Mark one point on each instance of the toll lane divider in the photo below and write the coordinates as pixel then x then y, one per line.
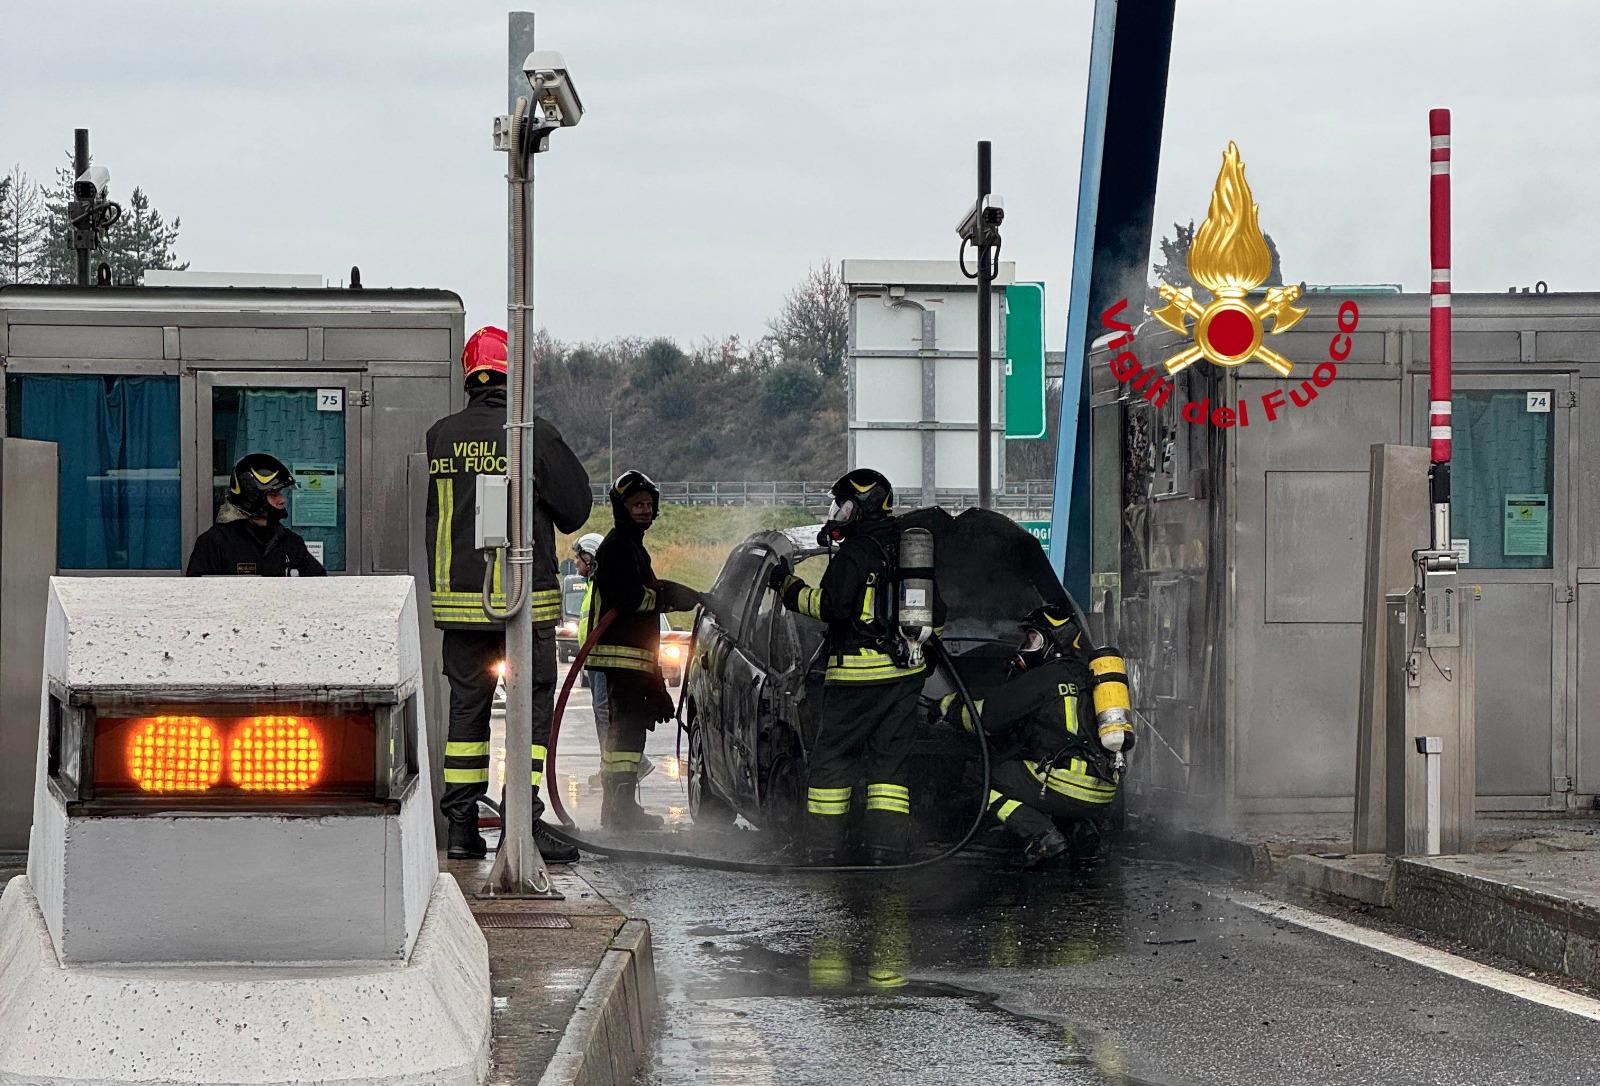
pixel 608 1036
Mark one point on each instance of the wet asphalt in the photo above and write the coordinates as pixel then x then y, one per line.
pixel 1131 972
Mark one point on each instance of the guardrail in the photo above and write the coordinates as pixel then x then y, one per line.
pixel 1026 500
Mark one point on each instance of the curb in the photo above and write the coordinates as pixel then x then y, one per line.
pixel 1543 930
pixel 605 1040
pixel 1251 861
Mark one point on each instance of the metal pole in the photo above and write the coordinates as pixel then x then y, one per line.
pixel 518 867
pixel 80 164
pixel 611 443
pixel 1439 326
pixel 985 363
pixel 1431 747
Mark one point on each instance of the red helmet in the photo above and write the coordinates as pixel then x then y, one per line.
pixel 485 350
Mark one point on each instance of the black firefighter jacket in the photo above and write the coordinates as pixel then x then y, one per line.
pixel 235 547
pixel 461 447
pixel 625 581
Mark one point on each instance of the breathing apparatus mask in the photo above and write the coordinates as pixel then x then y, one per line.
pixel 859 496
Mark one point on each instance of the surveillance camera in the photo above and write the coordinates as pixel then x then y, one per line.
pixel 93 184
pixel 553 92
pixel 992 212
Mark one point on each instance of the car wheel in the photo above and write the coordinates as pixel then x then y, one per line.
pixel 783 801
pixel 706 808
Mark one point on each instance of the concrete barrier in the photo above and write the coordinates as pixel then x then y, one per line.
pixel 609 1034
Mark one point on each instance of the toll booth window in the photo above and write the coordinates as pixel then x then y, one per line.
pixel 117 443
pixel 294 425
pixel 1502 479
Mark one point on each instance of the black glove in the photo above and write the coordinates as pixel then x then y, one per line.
pixel 781 572
pixel 660 702
pixel 672 596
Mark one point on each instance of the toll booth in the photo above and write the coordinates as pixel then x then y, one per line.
pixel 149 395
pixel 1229 541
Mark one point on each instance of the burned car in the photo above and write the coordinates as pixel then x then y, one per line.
pixel 755 674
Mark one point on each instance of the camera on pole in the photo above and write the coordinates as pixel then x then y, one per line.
pixel 89 212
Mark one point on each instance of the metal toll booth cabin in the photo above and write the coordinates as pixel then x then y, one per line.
pixel 1230 560
pixel 149 395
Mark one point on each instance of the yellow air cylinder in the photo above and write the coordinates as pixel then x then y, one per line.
pixel 1113 716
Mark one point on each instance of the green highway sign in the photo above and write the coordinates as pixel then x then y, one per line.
pixel 1039 529
pixel 1025 360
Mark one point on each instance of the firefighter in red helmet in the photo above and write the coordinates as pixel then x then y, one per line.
pixel 461 447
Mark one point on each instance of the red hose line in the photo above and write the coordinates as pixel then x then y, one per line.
pixel 560 710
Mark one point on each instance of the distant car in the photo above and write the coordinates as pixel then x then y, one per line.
pixel 674 652
pixel 755 680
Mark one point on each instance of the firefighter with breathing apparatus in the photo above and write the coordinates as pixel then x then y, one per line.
pixel 627 653
pixel 1050 762
pixel 461 447
pixel 881 604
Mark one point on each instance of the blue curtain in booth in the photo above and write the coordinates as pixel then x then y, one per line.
pixel 117 442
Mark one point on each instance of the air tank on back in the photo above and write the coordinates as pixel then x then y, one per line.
pixel 916 590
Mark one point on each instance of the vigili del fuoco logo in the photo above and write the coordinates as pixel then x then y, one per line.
pixel 1230 258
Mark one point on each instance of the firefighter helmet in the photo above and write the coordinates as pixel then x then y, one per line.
pixel 1047 632
pixel 255 477
pixel 627 485
pixel 859 497
pixel 588 544
pixel 484 356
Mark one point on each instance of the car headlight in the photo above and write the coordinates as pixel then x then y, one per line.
pixel 672 654
pixel 567 629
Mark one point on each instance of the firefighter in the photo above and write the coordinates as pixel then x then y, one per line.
pixel 461 447
pixel 1051 761
pixel 869 698
pixel 249 538
pixel 628 653
pixel 585 549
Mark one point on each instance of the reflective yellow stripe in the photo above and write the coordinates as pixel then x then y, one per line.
pixel 828 801
pixel 1005 809
pixel 494 588
pixel 1069 708
pixel 867 666
pixel 895 798
pixel 539 755
pixel 466 776
pixel 1075 783
pixel 619 761
pixel 466 750
pixel 809 602
pixel 584 611
pixel 623 658
pixel 866 599
pixel 441 535
pixel 647 603
pixel 879 977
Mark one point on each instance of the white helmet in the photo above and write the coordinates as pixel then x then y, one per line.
pixel 588 544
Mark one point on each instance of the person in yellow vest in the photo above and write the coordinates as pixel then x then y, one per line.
pixel 461 447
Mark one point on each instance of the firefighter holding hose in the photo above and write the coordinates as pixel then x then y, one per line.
pixel 1060 727
pixel 870 687
pixel 627 652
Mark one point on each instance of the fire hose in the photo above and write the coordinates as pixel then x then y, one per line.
pixel 688 860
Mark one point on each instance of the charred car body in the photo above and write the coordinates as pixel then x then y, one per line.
pixel 754 687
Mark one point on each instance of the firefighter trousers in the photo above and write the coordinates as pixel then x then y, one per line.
pixel 1026 807
pixel 629 715
pixel 866 731
pixel 470 657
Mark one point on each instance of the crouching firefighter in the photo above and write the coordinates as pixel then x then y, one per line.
pixel 628 652
pixel 1059 728
pixel 868 716
pixel 461 447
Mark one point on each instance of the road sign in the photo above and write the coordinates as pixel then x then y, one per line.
pixel 1025 360
pixel 1039 529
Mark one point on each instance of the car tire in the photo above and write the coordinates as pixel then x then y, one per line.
pixel 783 799
pixel 706 808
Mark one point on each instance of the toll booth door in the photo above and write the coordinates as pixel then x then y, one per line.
pixel 309 421
pixel 1509 509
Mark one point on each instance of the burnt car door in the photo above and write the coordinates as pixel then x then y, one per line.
pixel 721 671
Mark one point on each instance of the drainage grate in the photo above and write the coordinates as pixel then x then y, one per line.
pixel 521 920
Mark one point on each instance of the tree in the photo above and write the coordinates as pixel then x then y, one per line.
pixel 813 328
pixel 140 241
pixel 21 233
pixel 58 260
pixel 1173 268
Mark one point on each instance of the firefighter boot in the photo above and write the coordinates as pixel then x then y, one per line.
pixel 553 849
pixel 619 805
pixel 465 842
pixel 1043 846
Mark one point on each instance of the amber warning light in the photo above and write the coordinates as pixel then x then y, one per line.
pixel 270 753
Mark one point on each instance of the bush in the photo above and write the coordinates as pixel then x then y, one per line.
pixel 790 388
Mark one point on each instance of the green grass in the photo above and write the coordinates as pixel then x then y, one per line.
pixel 689 543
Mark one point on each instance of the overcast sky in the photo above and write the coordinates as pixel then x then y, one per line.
pixel 728 146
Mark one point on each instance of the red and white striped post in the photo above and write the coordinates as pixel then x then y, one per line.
pixel 1439 326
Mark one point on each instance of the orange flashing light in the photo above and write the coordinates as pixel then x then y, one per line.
pixel 275 754
pixel 175 754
